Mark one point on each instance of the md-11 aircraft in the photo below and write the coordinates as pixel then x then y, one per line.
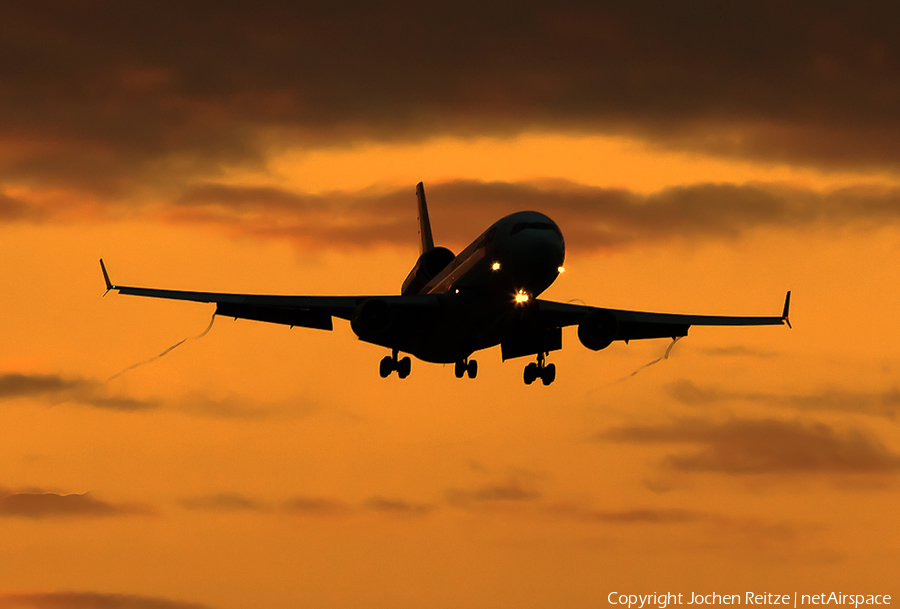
pixel 450 306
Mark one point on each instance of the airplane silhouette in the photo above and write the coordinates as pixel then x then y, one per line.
pixel 451 306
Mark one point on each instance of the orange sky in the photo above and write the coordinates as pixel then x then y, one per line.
pixel 260 466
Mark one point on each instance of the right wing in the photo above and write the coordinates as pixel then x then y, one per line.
pixel 630 325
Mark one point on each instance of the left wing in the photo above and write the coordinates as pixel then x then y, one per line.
pixel 305 311
pixel 619 324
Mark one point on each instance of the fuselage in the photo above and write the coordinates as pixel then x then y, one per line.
pixel 484 292
pixel 520 254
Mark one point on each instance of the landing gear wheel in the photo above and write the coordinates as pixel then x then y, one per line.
pixel 460 369
pixel 531 373
pixel 540 370
pixel 403 367
pixel 472 368
pixel 390 363
pixel 548 374
pixel 386 366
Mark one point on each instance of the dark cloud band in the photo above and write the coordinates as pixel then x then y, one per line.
pixel 89 600
pixel 108 96
pixel 743 447
pixel 590 217
pixel 38 504
pixel 57 388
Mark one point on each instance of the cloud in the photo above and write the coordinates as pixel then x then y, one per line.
pixel 13 385
pixel 239 407
pixel 224 502
pixel 398 506
pixel 110 97
pixel 39 504
pixel 745 447
pixel 58 388
pixel 738 351
pixel 89 600
pixel 510 492
pixel 590 217
pixel 13 209
pixel 334 219
pixel 884 403
pixel 732 533
pixel 626 517
pixel 307 505
pixel 316 506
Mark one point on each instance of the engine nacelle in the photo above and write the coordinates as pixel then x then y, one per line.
pixel 598 330
pixel 427 268
pixel 372 318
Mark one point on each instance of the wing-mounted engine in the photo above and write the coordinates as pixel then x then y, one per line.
pixel 598 330
pixel 372 319
pixel 427 267
pixel 399 322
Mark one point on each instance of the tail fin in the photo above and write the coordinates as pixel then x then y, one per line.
pixel 427 241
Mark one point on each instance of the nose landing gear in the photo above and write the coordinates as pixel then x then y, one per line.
pixel 466 366
pixel 538 370
pixel 390 363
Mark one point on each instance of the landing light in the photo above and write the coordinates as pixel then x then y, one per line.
pixel 495 266
pixel 561 270
pixel 521 297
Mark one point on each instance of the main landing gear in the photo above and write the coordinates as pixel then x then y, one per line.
pixel 466 366
pixel 390 363
pixel 533 371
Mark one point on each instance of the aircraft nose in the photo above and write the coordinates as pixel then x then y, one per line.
pixel 546 243
pixel 533 251
pixel 547 250
pixel 557 249
pixel 542 250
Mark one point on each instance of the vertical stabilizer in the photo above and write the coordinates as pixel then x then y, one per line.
pixel 427 241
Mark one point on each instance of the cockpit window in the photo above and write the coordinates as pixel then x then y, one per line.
pixel 520 226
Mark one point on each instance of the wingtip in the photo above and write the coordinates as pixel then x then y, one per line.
pixel 109 285
pixel 787 308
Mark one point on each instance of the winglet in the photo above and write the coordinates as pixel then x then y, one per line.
pixel 787 306
pixel 427 241
pixel 109 285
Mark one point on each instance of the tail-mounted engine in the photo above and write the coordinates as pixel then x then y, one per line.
pixel 427 268
pixel 598 330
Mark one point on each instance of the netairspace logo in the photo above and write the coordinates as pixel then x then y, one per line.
pixel 662 601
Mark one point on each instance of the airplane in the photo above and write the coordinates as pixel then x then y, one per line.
pixel 451 306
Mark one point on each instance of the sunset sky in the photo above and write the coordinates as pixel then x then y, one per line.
pixel 698 157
